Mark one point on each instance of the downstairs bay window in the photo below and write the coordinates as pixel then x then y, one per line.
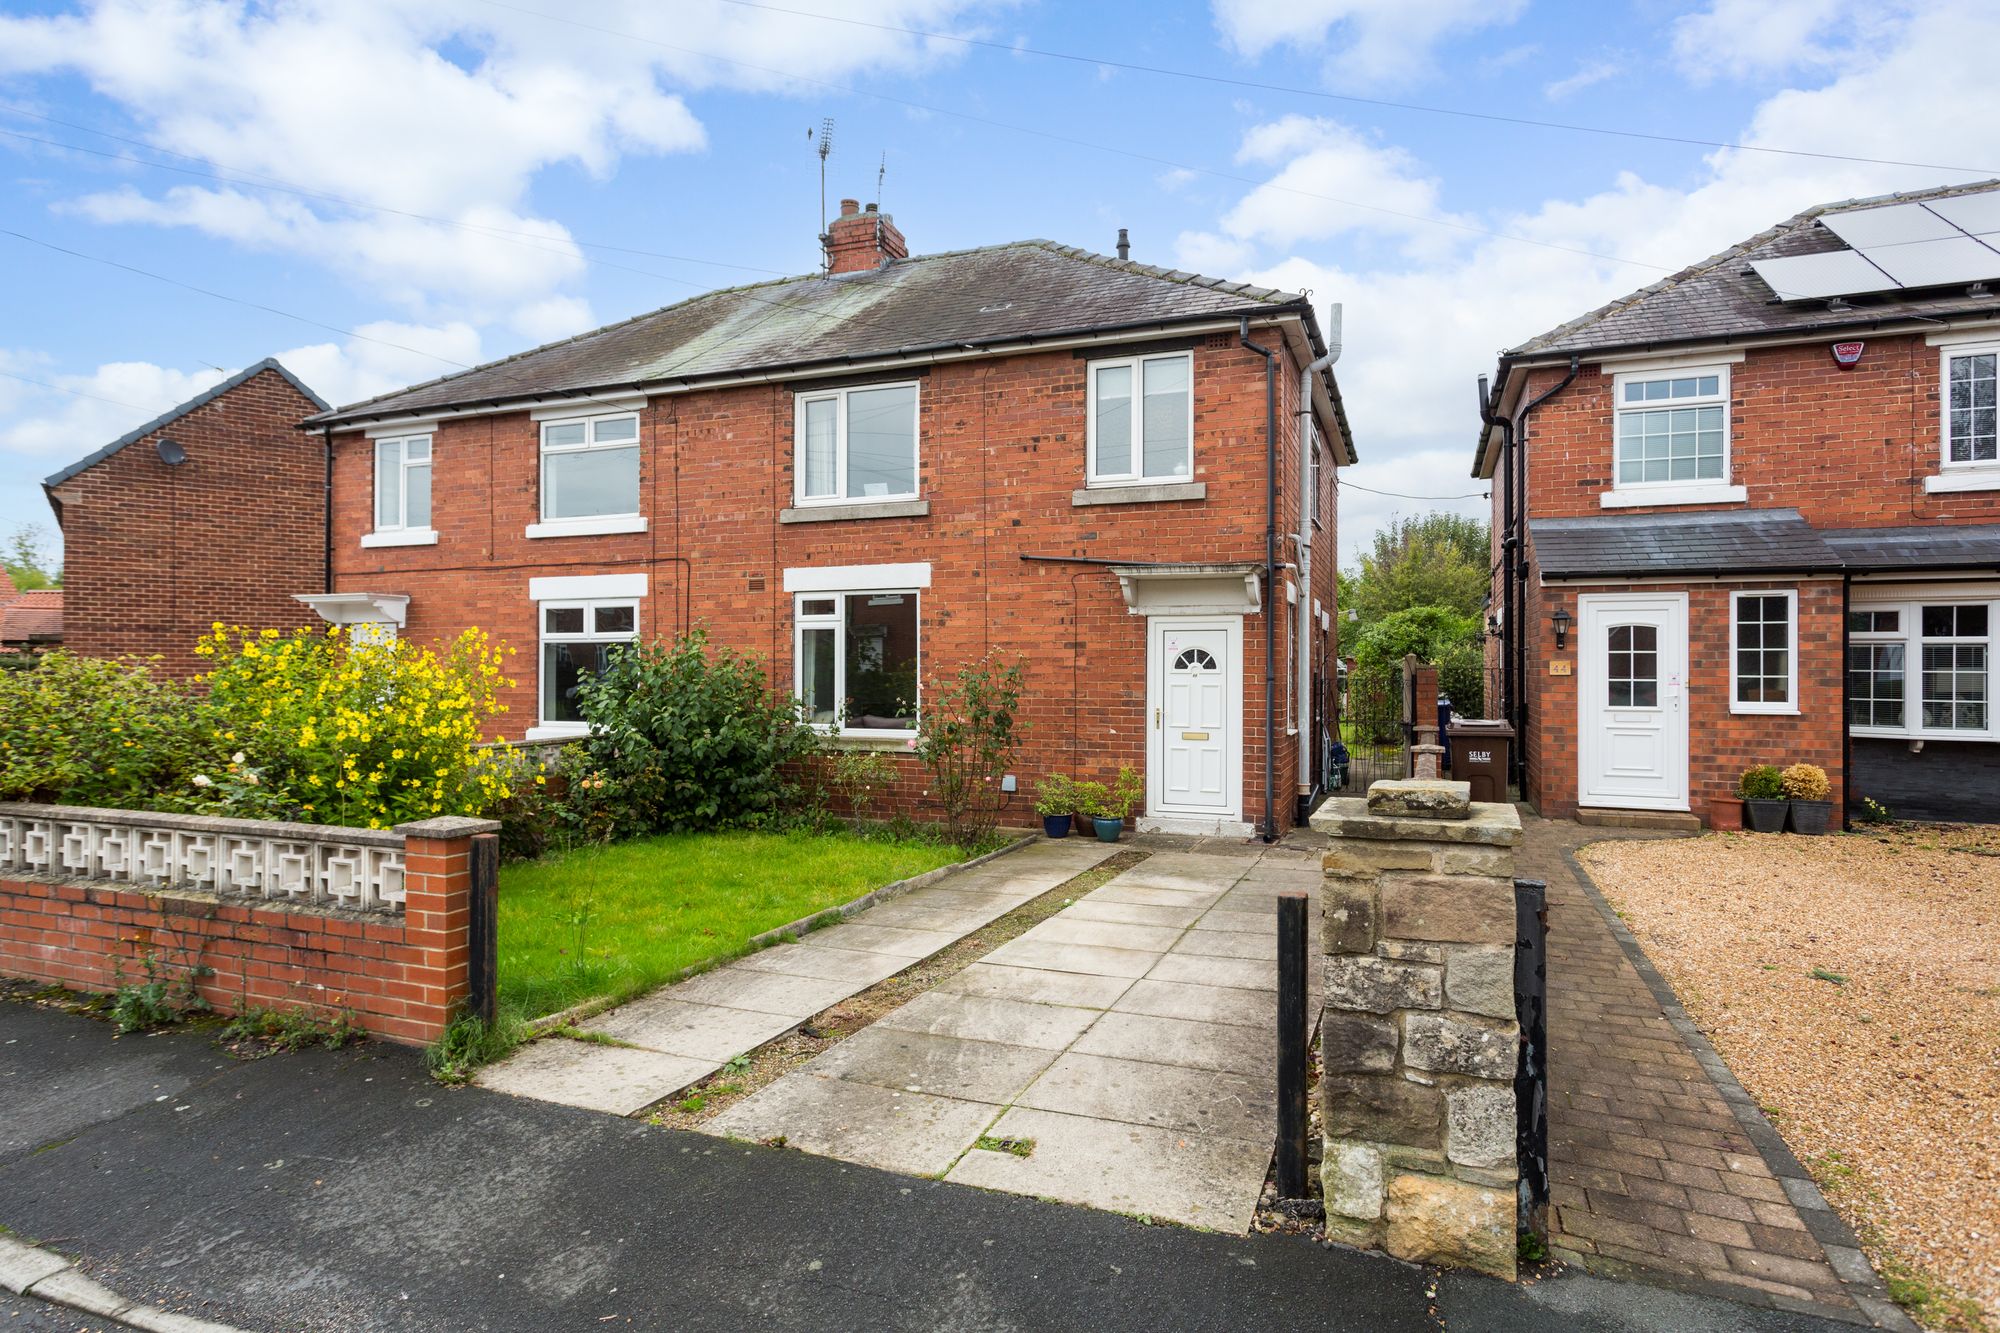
pixel 856 661
pixel 1921 669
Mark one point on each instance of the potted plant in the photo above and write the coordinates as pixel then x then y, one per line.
pixel 1056 803
pixel 1807 788
pixel 1763 793
pixel 1725 813
pixel 1108 806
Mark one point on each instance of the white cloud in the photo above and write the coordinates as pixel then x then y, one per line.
pixel 555 317
pixel 1588 75
pixel 1368 41
pixel 1420 326
pixel 1763 38
pixel 44 429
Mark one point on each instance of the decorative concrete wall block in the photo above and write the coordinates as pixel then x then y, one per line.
pixel 1347 908
pixel 1382 1108
pixel 1480 980
pixel 1379 985
pixel 1438 1221
pixel 1371 858
pixel 1497 861
pixel 1479 1125
pixel 1455 909
pixel 1352 1180
pixel 1453 1046
pixel 1350 1044
pixel 1420 798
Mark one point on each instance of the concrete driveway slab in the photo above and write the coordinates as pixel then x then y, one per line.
pixel 849 965
pixel 1189 1178
pixel 698 1031
pixel 766 992
pixel 1093 959
pixel 1118 891
pixel 892 940
pixel 1066 929
pixel 1093 908
pixel 910 1061
pixel 1230 943
pixel 1208 1004
pixel 1033 984
pixel 1048 1027
pixel 1193 1101
pixel 912 1132
pixel 1207 970
pixel 1177 1041
pixel 616 1079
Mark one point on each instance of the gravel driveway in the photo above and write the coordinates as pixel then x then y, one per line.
pixel 1852 983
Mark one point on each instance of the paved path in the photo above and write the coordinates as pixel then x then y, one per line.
pixel 681 1034
pixel 1654 1149
pixel 344 1191
pixel 1128 1039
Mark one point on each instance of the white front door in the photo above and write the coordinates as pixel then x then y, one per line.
pixel 1632 727
pixel 1194 764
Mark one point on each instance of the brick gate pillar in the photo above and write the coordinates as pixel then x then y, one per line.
pixel 1418 1034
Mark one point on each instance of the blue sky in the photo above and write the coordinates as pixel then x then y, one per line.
pixel 437 184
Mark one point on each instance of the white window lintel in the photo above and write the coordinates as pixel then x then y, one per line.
pixel 858 578
pixel 586 587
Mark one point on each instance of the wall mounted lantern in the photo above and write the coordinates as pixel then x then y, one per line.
pixel 1561 619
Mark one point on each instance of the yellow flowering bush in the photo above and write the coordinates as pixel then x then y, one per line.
pixel 325 729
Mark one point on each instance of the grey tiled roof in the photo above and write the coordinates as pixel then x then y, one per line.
pixel 1634 546
pixel 1940 547
pixel 1720 297
pixel 966 298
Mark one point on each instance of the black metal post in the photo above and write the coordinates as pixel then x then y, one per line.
pixel 1292 1046
pixel 1531 1076
pixel 484 928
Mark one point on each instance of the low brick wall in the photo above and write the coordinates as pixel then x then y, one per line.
pixel 1418 1036
pixel 372 923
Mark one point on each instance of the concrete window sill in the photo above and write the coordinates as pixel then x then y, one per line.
pixel 1162 493
pixel 1649 497
pixel 588 527
pixel 866 509
pixel 1968 479
pixel 408 537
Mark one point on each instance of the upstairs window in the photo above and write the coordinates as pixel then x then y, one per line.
pixel 1141 420
pixel 856 659
pixel 403 484
pixel 1672 427
pixel 577 640
pixel 590 468
pixel 857 445
pixel 1971 436
pixel 1764 666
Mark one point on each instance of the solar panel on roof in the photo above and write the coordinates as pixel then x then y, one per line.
pixel 1815 277
pixel 1976 213
pixel 1937 263
pixel 1895 224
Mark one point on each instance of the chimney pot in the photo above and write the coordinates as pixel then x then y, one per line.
pixel 1124 244
pixel 849 207
pixel 873 207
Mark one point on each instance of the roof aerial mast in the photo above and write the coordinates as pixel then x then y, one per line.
pixel 825 147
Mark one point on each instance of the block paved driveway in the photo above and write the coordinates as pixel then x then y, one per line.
pixel 1654 1151
pixel 1130 1039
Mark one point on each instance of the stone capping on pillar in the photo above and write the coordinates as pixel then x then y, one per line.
pixel 1419 1040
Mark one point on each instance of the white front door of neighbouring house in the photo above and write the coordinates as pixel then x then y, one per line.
pixel 1195 683
pixel 1632 732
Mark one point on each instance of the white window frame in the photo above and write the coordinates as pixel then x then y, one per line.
pixel 1911 636
pixel 1791 704
pixel 1315 477
pixel 1973 470
pixel 1664 492
pixel 401 532
pixel 839 397
pixel 545 728
pixel 1093 479
pixel 632 520
pixel 837 621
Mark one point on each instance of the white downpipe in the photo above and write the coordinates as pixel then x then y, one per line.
pixel 1303 618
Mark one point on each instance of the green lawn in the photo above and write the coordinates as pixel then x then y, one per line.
pixel 619 920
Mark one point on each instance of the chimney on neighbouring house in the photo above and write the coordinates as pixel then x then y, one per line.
pixel 1124 244
pixel 861 239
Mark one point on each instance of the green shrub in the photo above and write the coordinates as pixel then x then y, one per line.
pixel 966 737
pixel 81 731
pixel 1805 782
pixel 1761 783
pixel 859 776
pixel 1055 796
pixel 1433 634
pixel 683 737
pixel 1098 800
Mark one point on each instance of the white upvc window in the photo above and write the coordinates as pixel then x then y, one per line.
pixel 1141 420
pixel 1763 656
pixel 1315 478
pixel 1970 404
pixel 1671 428
pixel 578 638
pixel 1922 668
pixel 857 661
pixel 403 489
pixel 856 445
pixel 590 469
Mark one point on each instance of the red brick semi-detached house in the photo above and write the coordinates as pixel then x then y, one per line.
pixel 871 476
pixel 1751 514
pixel 214 511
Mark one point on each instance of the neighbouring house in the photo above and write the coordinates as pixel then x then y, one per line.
pixel 215 511
pixel 1751 514
pixel 31 619
pixel 1119 474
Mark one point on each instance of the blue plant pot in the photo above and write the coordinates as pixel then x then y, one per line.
pixel 1056 826
pixel 1108 829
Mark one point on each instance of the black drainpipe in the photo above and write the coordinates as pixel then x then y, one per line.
pixel 326 552
pixel 1270 578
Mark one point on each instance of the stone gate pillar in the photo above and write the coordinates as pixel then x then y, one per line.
pixel 1418 1035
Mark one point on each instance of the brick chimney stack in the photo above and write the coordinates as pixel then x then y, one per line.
pixel 860 239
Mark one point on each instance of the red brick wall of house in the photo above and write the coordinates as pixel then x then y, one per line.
pixel 1001 450
pixel 153 555
pixel 398 977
